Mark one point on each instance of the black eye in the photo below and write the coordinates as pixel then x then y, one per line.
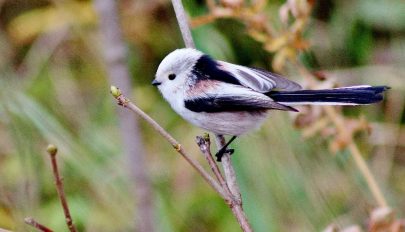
pixel 172 76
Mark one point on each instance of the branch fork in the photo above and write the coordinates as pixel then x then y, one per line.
pixel 204 144
pixel 223 183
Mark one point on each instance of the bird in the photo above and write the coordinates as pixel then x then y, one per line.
pixel 231 99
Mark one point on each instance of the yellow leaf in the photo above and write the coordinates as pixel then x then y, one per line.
pixel 281 57
pixel 6 219
pixel 276 44
pixel 30 24
pixel 259 36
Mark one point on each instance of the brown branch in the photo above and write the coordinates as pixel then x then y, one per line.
pixel 229 183
pixel 232 184
pixel 123 101
pixel 31 221
pixel 215 14
pixel 204 144
pixel 115 54
pixel 52 150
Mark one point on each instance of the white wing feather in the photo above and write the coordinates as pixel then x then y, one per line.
pixel 257 79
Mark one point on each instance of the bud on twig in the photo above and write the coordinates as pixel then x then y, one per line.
pixel 115 91
pixel 52 149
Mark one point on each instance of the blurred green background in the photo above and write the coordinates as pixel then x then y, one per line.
pixel 54 89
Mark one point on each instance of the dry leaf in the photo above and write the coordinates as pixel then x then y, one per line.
pixel 381 219
pixel 353 228
pixel 275 44
pixel 331 228
pixel 232 3
pixel 280 58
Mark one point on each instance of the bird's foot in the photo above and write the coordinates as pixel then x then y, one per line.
pixel 222 151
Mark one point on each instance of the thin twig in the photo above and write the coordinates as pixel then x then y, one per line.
pixel 229 171
pixel 205 146
pixel 123 101
pixel 52 150
pixel 31 221
pixel 183 23
pixel 358 158
pixel 368 176
pixel 235 202
pixel 230 178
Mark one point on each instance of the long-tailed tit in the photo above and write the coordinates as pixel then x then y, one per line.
pixel 230 99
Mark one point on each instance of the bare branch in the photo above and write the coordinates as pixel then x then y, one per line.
pixel 183 23
pixel 230 179
pixel 123 101
pixel 205 146
pixel 31 221
pixel 229 171
pixel 232 184
pixel 52 150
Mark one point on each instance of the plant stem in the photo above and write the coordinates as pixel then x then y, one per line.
pixel 358 158
pixel 368 176
pixel 183 23
pixel 31 221
pixel 205 147
pixel 229 171
pixel 232 184
pixel 59 189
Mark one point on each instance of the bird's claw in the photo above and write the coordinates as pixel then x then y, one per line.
pixel 222 151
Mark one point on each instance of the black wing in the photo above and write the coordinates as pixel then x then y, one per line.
pixel 223 103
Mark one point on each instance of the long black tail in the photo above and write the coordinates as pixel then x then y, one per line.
pixel 354 95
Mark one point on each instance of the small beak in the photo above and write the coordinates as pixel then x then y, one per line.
pixel 156 83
